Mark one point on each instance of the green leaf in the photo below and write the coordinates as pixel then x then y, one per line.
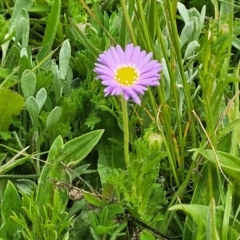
pixel 17 13
pixel 25 60
pixel 11 202
pixel 227 129
pixel 145 235
pixel 33 109
pixel 236 43
pixel 122 30
pixel 186 33
pixel 52 24
pixel 92 199
pixel 151 20
pixel 4 26
pixel 103 229
pixel 41 97
pixel 77 149
pixel 183 12
pixel 191 47
pixel 64 58
pixel 53 117
pixel 71 153
pixel 22 29
pixel 51 170
pixel 211 227
pixel 92 120
pixel 84 40
pixel 12 164
pixel 66 236
pixel 110 152
pixel 229 163
pixel 227 212
pixel 11 103
pixel 80 170
pixel 198 214
pixel 28 83
pixel 57 82
pixel 201 196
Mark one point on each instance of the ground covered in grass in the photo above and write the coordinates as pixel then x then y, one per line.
pixel 119 120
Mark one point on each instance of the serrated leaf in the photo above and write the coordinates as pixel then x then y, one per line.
pixel 92 120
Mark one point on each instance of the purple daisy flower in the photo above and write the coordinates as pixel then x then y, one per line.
pixel 128 72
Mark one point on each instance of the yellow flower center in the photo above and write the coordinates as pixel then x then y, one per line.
pixel 126 75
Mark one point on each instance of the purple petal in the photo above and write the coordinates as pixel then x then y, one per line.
pixel 115 56
pixel 150 66
pixel 103 67
pixel 145 81
pixel 117 91
pixel 104 59
pixel 148 74
pixel 125 95
pixel 128 53
pixel 142 62
pixel 129 92
pixel 110 60
pixel 104 72
pixel 149 82
pixel 141 56
pixel 108 90
pixel 135 55
pixel 110 83
pixel 139 88
pixel 120 53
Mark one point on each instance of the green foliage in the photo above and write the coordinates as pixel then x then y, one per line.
pixel 77 12
pixel 62 156
pixel 137 187
pixel 50 103
pixel 52 24
pixel 4 29
pixel 11 103
pixel 10 203
pixel 52 223
pixel 104 222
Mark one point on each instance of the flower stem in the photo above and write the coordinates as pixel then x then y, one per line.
pixel 125 132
